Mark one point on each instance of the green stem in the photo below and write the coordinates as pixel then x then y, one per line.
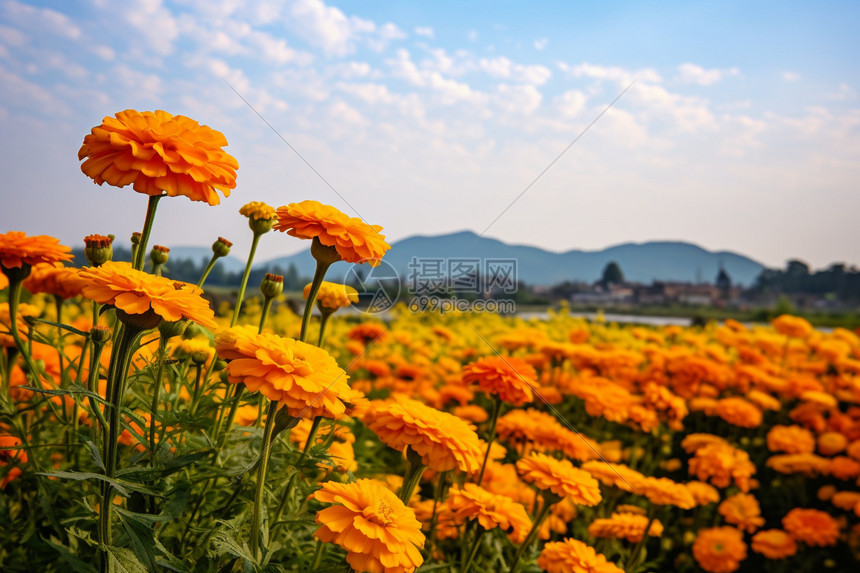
pixel 530 538
pixel 319 275
pixel 414 470
pixel 325 313
pixel 224 430
pixel 207 270
pixel 156 393
pixel 467 563
pixel 311 435
pixel 14 297
pixel 117 375
pixel 318 553
pixel 497 407
pixel 198 384
pixel 267 304
pixel 140 254
pixel 434 517
pixel 241 295
pixel 261 480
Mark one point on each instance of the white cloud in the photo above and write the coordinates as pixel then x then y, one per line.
pixel 276 50
pixel 789 76
pixel 540 44
pixel 572 103
pixel 518 99
pixel 845 92
pixel 693 74
pixel 154 22
pixel 343 113
pixel 450 90
pixel 336 33
pixel 44 19
pixel 104 52
pixel 425 31
pixel 612 73
pixel 12 36
pixel 688 113
pixel 502 67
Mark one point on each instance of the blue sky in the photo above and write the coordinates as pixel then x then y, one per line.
pixel 741 132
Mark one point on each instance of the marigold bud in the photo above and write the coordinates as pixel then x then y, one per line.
pixel 199 357
pixel 159 255
pixel 261 226
pixel 98 249
pixel 171 329
pixel 100 334
pixel 272 285
pixel 221 247
pixel 135 238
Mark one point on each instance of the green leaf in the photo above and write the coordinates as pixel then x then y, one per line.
pixel 138 527
pixel 124 560
pixel 97 456
pixel 183 460
pixel 66 556
pixel 121 486
pixel 31 320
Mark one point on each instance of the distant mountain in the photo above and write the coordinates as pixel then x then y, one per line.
pixel 640 262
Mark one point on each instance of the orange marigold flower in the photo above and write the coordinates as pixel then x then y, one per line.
pixel 574 556
pixel 340 449
pixel 720 549
pixel 792 326
pixel 55 280
pixel 808 464
pixel 831 443
pixel 790 439
pixel 843 467
pixel 354 240
pixel 703 493
pixel 561 478
pixel 17 249
pixel 443 440
pixel 739 412
pixel 774 544
pixel 368 332
pixel 159 153
pixel 618 475
pixel 663 491
pixel 742 510
pixel 628 526
pixel 692 442
pixel 333 295
pixel 723 465
pixel 811 526
pixel 14 457
pixel 306 379
pixel 512 379
pixel 135 292
pixel 472 502
pixel 845 500
pixel 378 532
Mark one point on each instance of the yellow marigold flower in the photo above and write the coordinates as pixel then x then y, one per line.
pixel 135 293
pixel 703 493
pixel 790 439
pixel 811 526
pixel 692 442
pixel 618 475
pixel 333 295
pixel 808 464
pixel 763 400
pixel 627 526
pixel 510 378
pixel 472 413
pixel 719 549
pixel 774 544
pixel 574 556
pixel 723 465
pixel 443 440
pixel 55 280
pixel 378 532
pixel 159 153
pixel 822 400
pixel 561 478
pixel 742 510
pixel 304 378
pixel 472 502
pixel 354 240
pixel 663 491
pixel 17 249
pixel 257 210
pixel 792 326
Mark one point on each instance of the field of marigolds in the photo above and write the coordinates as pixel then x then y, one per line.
pixel 142 431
